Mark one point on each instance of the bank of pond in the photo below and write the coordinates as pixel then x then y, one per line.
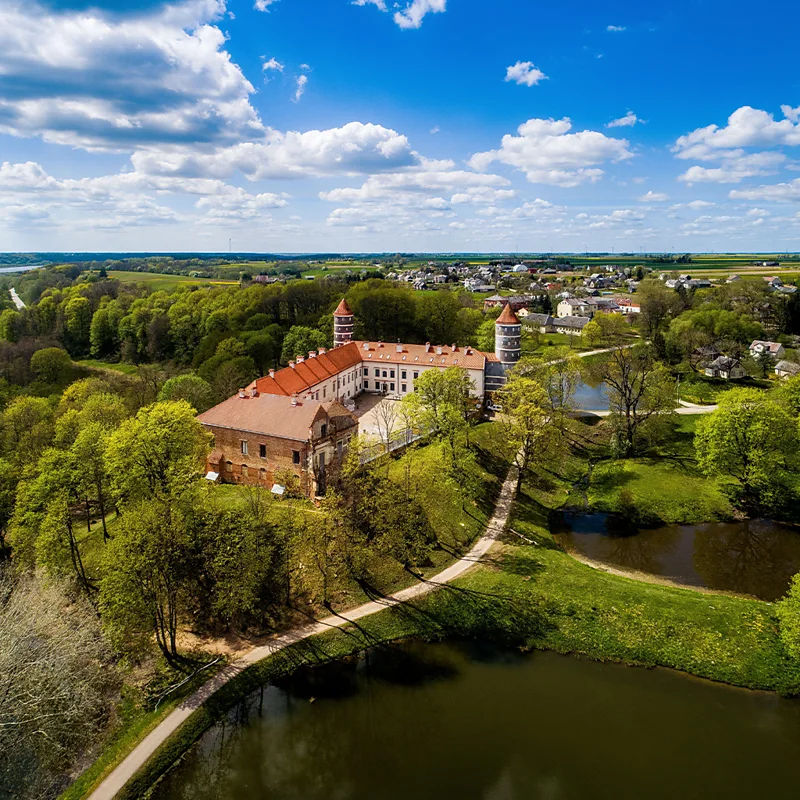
pixel 756 557
pixel 473 720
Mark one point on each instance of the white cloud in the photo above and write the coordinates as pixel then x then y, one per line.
pixel 653 197
pixel 628 121
pixel 413 14
pixel 300 87
pixel 525 73
pixel 547 153
pixel 379 3
pixel 98 81
pixel 263 5
pixel 776 192
pixel 747 127
pixel 435 129
pixel 615 28
pixel 735 167
pixel 273 65
pixel 353 149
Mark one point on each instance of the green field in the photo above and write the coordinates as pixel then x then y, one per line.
pixel 157 281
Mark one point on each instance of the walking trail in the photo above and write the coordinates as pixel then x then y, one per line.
pixel 136 759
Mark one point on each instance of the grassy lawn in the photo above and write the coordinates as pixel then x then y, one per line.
pixel 93 363
pixel 695 388
pixel 157 281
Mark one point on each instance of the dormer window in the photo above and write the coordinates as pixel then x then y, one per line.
pixel 323 429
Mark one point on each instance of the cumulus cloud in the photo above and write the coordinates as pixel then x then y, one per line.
pixel 653 197
pixel 628 121
pixel 413 14
pixel 116 83
pixel 263 5
pixel 300 87
pixel 548 153
pixel 353 149
pixel 789 191
pixel 615 28
pixel 525 73
pixel 747 127
pixel 735 167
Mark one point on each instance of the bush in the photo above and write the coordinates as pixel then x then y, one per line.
pixel 51 364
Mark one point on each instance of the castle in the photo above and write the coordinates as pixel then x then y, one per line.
pixel 296 419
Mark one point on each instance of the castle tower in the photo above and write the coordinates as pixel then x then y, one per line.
pixel 507 337
pixel 342 324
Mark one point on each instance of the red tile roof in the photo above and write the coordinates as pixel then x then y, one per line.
pixel 343 310
pixel 274 415
pixel 421 355
pixel 310 371
pixel 508 317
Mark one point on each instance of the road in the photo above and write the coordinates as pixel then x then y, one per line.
pixel 136 759
pixel 16 299
pixel 684 409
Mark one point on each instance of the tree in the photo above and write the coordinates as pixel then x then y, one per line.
pixel 57 679
pixel 752 439
pixel 27 428
pixel 592 334
pixel 148 566
pixel 788 612
pixel 51 364
pixel 640 391
pixel 300 341
pixel 162 446
pixel 657 303
pixel 484 337
pixel 193 389
pixel 527 422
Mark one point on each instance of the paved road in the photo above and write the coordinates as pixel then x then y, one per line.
pixel 16 299
pixel 684 409
pixel 116 779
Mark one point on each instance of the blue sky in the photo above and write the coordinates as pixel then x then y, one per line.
pixel 442 125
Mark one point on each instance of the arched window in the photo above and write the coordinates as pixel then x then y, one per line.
pixel 244 470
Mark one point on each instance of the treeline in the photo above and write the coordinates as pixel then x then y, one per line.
pixel 228 334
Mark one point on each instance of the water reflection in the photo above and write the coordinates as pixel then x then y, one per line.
pixel 500 727
pixel 756 557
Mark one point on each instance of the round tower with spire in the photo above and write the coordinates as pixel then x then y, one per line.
pixel 508 337
pixel 342 324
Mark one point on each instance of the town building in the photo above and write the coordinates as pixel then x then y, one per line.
pixel 787 369
pixel 297 418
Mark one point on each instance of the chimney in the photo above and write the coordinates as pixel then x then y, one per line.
pixel 469 351
pixel 254 392
pixel 272 373
pixel 399 348
pixel 322 351
pixel 312 354
pixel 294 399
pixel 241 393
pixel 427 347
pixel 438 350
pixel 454 348
pixel 300 359
pixel 291 364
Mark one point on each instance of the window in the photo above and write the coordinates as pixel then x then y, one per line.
pixel 323 429
pixel 324 391
pixel 377 373
pixel 366 384
pixel 244 470
pixel 403 388
pixel 391 374
pixel 416 375
pixel 262 451
pixel 391 386
pixel 243 444
pixel 295 456
pixel 228 466
pixel 384 374
pixel 403 374
pixel 366 372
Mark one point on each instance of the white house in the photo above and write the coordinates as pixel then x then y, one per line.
pixel 725 367
pixel 787 369
pixel 774 349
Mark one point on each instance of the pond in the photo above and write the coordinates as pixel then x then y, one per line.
pixel 590 396
pixel 756 557
pixel 468 721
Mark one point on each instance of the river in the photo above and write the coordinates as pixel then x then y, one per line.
pixel 755 557
pixel 469 721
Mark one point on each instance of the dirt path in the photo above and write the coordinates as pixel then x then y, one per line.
pixel 136 759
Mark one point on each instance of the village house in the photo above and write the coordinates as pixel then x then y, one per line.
pixel 725 367
pixel 586 306
pixel 571 326
pixel 787 369
pixel 773 349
